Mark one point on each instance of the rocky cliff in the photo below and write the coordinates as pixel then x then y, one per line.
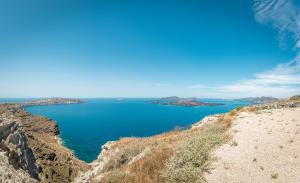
pixel 15 151
pixel 31 143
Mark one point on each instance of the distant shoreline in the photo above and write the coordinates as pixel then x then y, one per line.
pixel 186 102
pixel 52 101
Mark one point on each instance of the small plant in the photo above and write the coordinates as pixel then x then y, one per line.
pixel 236 131
pixel 254 160
pixel 274 175
pixel 234 143
pixel 239 108
pixel 281 147
pixel 262 168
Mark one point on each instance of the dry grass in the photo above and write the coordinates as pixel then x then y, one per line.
pixel 252 109
pixel 147 169
pixel 176 156
pixel 124 156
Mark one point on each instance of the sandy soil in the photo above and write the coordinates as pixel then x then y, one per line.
pixel 265 148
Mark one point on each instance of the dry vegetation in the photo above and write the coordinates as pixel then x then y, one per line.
pixel 177 156
pixel 295 98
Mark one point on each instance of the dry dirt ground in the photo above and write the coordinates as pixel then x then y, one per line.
pixel 265 148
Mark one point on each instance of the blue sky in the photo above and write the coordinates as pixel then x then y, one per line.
pixel 128 48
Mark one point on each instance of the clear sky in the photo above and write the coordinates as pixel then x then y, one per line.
pixel 134 48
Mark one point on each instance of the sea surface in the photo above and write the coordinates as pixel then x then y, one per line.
pixel 85 127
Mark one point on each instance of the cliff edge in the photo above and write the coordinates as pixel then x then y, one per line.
pixel 30 144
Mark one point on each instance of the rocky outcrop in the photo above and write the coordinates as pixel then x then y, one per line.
pixel 31 144
pixel 14 143
pixel 8 174
pixel 95 173
pixel 207 120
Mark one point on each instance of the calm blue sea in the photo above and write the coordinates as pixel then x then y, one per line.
pixel 85 127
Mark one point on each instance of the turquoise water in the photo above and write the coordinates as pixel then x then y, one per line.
pixel 85 127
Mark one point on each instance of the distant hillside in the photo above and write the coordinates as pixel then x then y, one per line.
pixel 258 100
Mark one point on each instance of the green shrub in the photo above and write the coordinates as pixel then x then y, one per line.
pixel 189 162
pixel 274 176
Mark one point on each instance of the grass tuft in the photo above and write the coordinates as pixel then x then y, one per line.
pixel 274 175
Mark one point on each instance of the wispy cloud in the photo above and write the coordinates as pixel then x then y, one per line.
pixel 283 15
pixel 284 79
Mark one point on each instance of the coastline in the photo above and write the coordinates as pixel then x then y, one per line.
pixel 48 146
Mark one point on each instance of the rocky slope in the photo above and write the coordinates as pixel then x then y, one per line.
pixel 31 144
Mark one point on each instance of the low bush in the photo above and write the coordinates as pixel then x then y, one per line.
pixel 192 160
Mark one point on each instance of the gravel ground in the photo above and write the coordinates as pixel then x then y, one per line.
pixel 265 148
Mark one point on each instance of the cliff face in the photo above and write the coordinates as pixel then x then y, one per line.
pixel 31 144
pixel 15 150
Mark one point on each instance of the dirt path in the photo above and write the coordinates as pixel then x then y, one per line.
pixel 265 148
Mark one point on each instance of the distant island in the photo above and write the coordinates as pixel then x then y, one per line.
pixel 52 101
pixel 188 102
pixel 258 100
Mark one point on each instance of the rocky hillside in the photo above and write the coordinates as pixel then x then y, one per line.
pixel 258 100
pixel 31 144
